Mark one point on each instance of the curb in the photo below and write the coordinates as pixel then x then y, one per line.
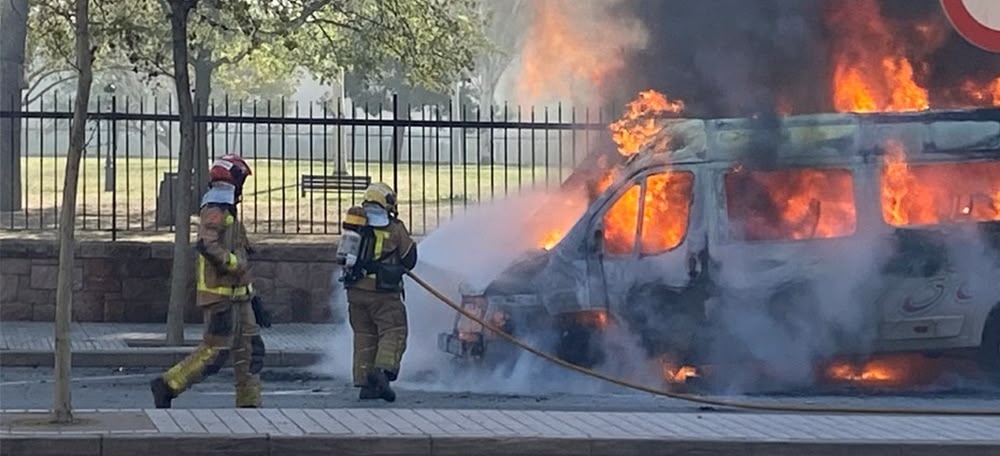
pixel 307 445
pixel 143 357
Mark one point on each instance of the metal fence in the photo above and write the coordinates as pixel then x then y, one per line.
pixel 440 162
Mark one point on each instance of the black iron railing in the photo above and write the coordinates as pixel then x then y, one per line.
pixel 440 160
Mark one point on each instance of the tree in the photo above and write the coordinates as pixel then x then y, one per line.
pixel 62 405
pixel 13 22
pixel 505 24
pixel 426 44
pixel 180 273
pixel 432 40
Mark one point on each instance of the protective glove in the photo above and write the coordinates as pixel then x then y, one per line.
pixel 260 314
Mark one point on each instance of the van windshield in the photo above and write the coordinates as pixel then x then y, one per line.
pixel 933 193
pixel 790 204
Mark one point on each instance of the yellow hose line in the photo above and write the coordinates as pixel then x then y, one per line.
pixel 689 397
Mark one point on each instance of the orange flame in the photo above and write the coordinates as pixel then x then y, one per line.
pixel 638 125
pixel 665 211
pixel 791 203
pixel 894 370
pixel 983 94
pixel 930 193
pixel 894 89
pixel 668 194
pixel 551 238
pixel 664 219
pixel 620 222
pixel 871 372
pixel 870 70
pixel 561 60
pixel 674 372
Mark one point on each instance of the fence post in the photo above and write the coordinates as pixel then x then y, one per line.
pixel 111 167
pixel 109 175
pixel 396 142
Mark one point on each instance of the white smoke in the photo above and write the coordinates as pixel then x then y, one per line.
pixel 786 307
pixel 473 248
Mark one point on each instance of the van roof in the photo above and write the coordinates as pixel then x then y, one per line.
pixel 823 136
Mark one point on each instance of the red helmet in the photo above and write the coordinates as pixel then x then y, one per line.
pixel 230 168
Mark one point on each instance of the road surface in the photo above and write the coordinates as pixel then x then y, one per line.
pixel 31 388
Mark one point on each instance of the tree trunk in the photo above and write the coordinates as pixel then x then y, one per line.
pixel 62 406
pixel 180 273
pixel 203 69
pixel 14 23
pixel 456 133
pixel 341 145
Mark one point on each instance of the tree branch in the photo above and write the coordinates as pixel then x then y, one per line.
pixel 28 98
pixel 307 12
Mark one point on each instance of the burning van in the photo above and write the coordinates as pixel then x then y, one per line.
pixel 789 239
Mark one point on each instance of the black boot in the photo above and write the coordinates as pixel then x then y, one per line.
pixel 162 396
pixel 367 392
pixel 379 381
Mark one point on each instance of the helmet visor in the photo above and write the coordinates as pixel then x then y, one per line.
pixel 377 216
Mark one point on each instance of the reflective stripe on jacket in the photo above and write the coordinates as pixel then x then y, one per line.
pixel 221 266
pixel 392 242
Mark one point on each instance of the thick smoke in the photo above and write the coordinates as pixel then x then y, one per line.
pixel 784 308
pixel 472 249
pixel 731 58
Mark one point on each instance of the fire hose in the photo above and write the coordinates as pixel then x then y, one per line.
pixel 746 405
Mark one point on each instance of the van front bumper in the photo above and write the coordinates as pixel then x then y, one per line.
pixel 475 346
pixel 450 343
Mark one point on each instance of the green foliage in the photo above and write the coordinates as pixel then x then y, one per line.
pixel 265 73
pixel 431 42
pixel 50 57
pixel 256 50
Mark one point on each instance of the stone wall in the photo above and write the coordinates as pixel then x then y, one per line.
pixel 130 281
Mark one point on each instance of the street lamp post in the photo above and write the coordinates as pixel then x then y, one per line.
pixel 110 154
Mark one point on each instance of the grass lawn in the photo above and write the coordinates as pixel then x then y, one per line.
pixel 273 202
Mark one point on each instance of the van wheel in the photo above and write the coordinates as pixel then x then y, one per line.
pixel 989 350
pixel 665 321
pixel 581 345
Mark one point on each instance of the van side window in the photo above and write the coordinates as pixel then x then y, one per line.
pixel 620 223
pixel 666 208
pixel 933 193
pixel 790 204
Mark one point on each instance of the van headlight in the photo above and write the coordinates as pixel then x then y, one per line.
pixel 475 305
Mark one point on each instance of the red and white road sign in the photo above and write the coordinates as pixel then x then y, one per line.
pixel 978 21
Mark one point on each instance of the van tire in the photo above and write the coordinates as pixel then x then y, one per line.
pixel 989 349
pixel 654 310
pixel 581 345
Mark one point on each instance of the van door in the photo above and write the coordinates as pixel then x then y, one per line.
pixel 642 237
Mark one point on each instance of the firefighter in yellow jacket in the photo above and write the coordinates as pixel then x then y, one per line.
pixel 374 285
pixel 224 293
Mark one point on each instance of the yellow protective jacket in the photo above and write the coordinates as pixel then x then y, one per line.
pixel 392 245
pixel 223 248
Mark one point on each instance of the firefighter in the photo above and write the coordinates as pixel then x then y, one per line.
pixel 375 291
pixel 224 294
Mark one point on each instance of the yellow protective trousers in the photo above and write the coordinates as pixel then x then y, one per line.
pixel 230 327
pixel 379 323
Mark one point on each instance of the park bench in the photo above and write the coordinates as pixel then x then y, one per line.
pixel 312 182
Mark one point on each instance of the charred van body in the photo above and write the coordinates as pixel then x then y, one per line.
pixel 803 238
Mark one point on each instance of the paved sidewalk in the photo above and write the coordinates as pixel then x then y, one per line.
pixel 489 432
pixel 133 344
